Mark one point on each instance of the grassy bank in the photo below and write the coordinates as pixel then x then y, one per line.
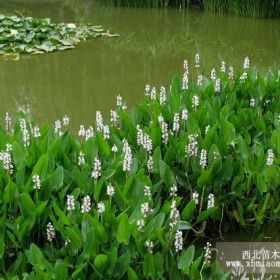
pixel 131 197
pixel 251 8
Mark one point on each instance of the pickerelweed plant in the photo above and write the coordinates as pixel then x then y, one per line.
pixel 37 36
pixel 129 198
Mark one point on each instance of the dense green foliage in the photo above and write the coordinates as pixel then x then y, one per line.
pixel 252 8
pixel 154 145
pixel 37 36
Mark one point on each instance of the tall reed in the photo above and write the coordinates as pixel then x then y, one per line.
pixel 252 8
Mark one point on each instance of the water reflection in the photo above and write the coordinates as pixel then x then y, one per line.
pixel 151 49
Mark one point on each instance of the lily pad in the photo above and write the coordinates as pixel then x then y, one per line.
pixel 27 35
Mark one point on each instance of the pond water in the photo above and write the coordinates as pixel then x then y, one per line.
pixel 151 48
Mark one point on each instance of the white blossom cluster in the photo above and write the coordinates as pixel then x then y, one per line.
pixel 145 209
pixel 246 64
pixel 252 102
pixel 153 94
pixel 191 147
pixel 207 255
pixel 100 127
pixel 89 133
pixel 207 128
pixel 243 76
pixel 127 161
pixel 199 80
pixel 195 197
pixel 100 207
pixel 36 181
pixel 178 243
pixel 144 140
pixel 114 117
pixel 213 74
pixel 114 148
pixel 6 158
pixel 173 190
pixel 203 158
pixel 185 83
pixel 270 157
pixel 150 246
pixel 164 130
pixel 96 172
pixel 81 159
pixel 66 120
pixel 86 133
pixel 139 137
pixel 120 103
pixel 147 90
pixel 70 202
pixel 217 85
pixel 150 164
pixel 211 201
pixel 110 190
pixel 147 191
pixel 223 67
pixel 231 72
pixel 50 232
pixel 162 96
pixel 86 205
pixel 195 102
pixel 176 124
pixel 186 66
pixel 25 133
pixel 57 127
pixel 98 121
pixel 185 114
pixel 174 215
pixel 140 224
pixel 197 61
pixel 8 122
pixel 67 242
pixel 147 143
pixel 35 131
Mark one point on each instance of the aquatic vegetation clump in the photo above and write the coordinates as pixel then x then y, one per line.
pixel 251 8
pixel 134 202
pixel 37 36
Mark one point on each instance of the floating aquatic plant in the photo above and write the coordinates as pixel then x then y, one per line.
pixel 37 36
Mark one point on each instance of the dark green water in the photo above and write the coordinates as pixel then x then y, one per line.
pixel 151 48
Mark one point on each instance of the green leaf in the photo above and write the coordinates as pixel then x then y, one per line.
pixel 36 258
pixel 10 192
pixel 41 167
pixel 131 274
pixel 188 211
pixel 60 214
pixel 261 185
pixel 183 225
pixel 205 214
pixel 60 269
pixel 28 203
pixel 204 178
pixel 41 208
pixel 186 258
pixel 57 178
pixel 2 247
pixel 100 261
pixel 18 155
pixel 149 266
pixel 102 144
pixel 123 232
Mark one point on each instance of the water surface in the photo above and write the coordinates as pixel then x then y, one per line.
pixel 151 48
